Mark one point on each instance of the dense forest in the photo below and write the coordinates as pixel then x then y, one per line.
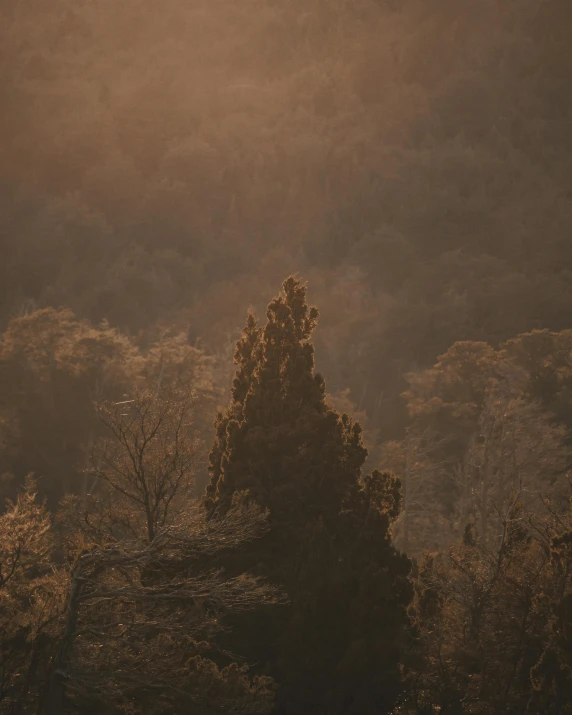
pixel 193 519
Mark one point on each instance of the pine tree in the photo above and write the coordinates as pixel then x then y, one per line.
pixel 282 446
pixel 279 439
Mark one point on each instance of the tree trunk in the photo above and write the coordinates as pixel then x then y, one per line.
pixel 56 692
pixel 406 496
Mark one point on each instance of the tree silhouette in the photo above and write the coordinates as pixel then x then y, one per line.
pixel 280 445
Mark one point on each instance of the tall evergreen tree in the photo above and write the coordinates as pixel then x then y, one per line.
pixel 281 445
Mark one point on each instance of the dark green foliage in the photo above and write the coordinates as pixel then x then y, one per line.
pixel 281 445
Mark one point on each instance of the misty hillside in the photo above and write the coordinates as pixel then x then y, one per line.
pixel 184 533
pixel 412 160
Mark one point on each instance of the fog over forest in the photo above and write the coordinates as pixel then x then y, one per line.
pixel 367 510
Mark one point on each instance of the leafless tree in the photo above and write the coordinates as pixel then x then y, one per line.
pixel 140 617
pixel 144 470
pixel 145 597
pixel 419 462
pixel 477 610
pixel 517 449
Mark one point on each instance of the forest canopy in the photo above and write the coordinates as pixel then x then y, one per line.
pixel 411 159
pixel 188 508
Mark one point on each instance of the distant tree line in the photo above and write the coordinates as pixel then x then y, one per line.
pixel 411 158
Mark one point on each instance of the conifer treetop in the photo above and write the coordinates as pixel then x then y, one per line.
pixel 279 440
